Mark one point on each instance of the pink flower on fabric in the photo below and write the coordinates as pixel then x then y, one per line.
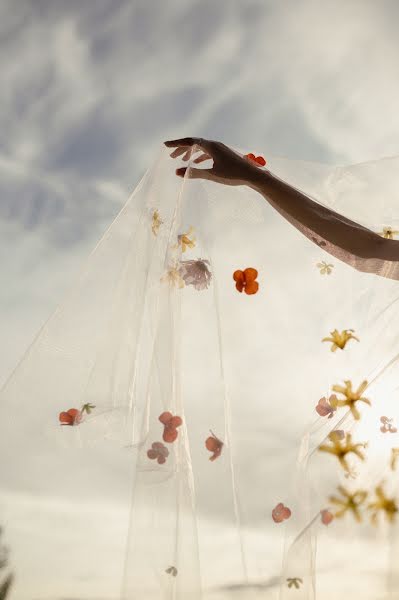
pixel 326 407
pixel 387 425
pixel 159 452
pixel 280 513
pixel 196 273
pixel 326 516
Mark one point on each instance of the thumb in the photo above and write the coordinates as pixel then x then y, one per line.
pixel 193 173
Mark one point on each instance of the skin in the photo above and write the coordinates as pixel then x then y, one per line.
pixel 347 240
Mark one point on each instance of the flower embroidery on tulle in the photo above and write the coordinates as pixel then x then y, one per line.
pixel 196 273
pixel 294 582
pixel 173 277
pixel 394 458
pixel 186 240
pixel 339 340
pixel 349 502
pixel 73 416
pixel 280 513
pixel 170 424
pixel 325 267
pixel 171 571
pixel 326 516
pixel 382 504
pixel 159 452
pixel 213 444
pixel 156 222
pixel 388 233
pixel 324 407
pixel 341 445
pixel 258 159
pixel 245 280
pixel 387 425
pixel 351 397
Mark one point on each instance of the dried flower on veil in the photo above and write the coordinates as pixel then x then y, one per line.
pixel 245 280
pixel 388 233
pixel 173 277
pixel 280 513
pixel 349 502
pixel 341 445
pixel 156 222
pixel 170 424
pixel 339 340
pixel 73 416
pixel 351 397
pixel 196 273
pixel 325 407
pixel 382 504
pixel 387 425
pixel 159 452
pixel 294 582
pixel 171 571
pixel 186 240
pixel 213 444
pixel 325 267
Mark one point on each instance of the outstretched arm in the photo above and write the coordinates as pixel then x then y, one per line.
pixel 347 240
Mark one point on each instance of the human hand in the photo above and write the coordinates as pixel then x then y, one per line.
pixel 229 168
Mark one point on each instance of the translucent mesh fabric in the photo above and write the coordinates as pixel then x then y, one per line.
pixel 121 500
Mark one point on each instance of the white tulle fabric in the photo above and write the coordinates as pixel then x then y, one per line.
pixel 143 333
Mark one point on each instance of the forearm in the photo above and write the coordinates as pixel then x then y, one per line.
pixel 347 240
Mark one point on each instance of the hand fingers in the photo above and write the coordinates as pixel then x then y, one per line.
pixel 202 158
pixel 178 151
pixel 191 141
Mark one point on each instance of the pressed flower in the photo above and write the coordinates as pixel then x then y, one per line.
pixel 382 504
pixel 351 397
pixel 213 444
pixel 349 502
pixel 170 424
pixel 258 159
pixel 324 406
pixel 326 516
pixel 186 240
pixel 173 277
pixel 387 425
pixel 394 457
pixel 388 233
pixel 245 280
pixel 159 452
pixel 156 222
pixel 341 447
pixel 280 513
pixel 196 273
pixel 71 417
pixel 171 571
pixel 339 340
pixel 294 582
pixel 325 267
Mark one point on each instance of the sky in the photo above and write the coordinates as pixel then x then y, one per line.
pixel 91 90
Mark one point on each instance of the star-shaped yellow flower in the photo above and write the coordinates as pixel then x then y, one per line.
pixel 349 502
pixel 388 233
pixel 186 240
pixel 339 340
pixel 382 504
pixel 156 222
pixel 341 447
pixel 325 267
pixel 294 582
pixel 351 397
